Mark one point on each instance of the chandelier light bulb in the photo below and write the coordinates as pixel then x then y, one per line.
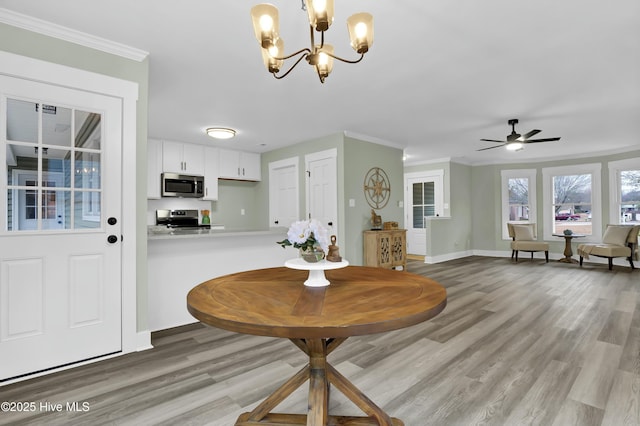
pixel 361 30
pixel 266 23
pixel 319 5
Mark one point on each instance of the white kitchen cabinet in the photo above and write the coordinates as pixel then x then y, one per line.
pixel 184 158
pixel 211 173
pixel 154 168
pixel 239 165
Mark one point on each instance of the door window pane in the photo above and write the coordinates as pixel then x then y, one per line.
pixel 57 161
pixel 22 121
pixel 423 202
pixel 53 167
pixel 88 130
pixel 56 208
pixel 87 170
pixel 87 206
pixel 56 125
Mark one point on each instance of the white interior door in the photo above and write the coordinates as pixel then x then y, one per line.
pixel 60 283
pixel 423 198
pixel 322 188
pixel 284 204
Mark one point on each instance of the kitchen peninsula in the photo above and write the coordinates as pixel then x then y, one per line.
pixel 181 259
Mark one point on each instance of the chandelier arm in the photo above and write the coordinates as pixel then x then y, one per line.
pixel 292 66
pixel 346 60
pixel 312 37
pixel 284 58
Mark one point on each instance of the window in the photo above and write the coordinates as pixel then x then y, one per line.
pixel 572 200
pixel 518 197
pixel 424 202
pixel 625 191
pixel 44 145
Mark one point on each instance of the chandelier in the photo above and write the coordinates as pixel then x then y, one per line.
pixel 321 56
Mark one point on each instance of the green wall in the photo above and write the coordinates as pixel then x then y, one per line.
pixel 359 158
pixel 234 195
pixel 355 158
pixel 34 45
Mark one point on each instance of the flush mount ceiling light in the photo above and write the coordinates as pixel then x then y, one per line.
pixel 221 132
pixel 267 31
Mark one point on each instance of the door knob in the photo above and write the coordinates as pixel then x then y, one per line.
pixel 276 222
pixel 330 223
pixel 112 221
pixel 112 239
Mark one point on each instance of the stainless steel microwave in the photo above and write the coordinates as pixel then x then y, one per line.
pixel 187 186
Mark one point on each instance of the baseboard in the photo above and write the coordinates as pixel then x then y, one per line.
pixel 448 256
pixel 143 341
pixel 619 261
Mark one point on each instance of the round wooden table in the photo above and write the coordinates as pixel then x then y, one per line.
pixel 274 302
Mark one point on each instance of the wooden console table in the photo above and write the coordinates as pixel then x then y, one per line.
pixel 275 302
pixel 385 248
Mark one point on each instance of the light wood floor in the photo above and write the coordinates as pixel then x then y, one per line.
pixel 526 343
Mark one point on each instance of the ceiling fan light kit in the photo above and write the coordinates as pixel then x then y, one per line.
pixel 515 141
pixel 266 26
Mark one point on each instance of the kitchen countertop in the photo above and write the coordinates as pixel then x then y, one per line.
pixel 155 233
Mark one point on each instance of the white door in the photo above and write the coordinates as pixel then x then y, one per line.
pixel 322 188
pixel 60 289
pixel 284 204
pixel 423 198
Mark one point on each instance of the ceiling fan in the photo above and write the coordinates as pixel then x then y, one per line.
pixel 516 141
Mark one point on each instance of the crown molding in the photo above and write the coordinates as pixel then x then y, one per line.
pixel 371 139
pixel 50 29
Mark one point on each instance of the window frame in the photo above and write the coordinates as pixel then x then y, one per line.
pixel 531 175
pixel 548 173
pixel 615 167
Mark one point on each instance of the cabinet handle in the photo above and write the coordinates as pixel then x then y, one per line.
pixel 238 171
pixel 276 222
pixel 243 171
pixel 330 223
pixel 206 192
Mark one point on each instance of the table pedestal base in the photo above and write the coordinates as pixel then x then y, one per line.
pixel 567 260
pixel 321 376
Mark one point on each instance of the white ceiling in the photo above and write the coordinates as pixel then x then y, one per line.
pixel 441 74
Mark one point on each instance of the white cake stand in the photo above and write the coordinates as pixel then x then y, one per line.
pixel 316 270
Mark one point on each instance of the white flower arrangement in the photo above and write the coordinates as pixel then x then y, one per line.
pixel 305 234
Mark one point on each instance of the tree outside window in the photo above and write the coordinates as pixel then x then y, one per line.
pixel 572 203
pixel 629 202
pixel 518 199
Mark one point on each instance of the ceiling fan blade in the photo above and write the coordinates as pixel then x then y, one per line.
pixel 491 147
pixel 528 135
pixel 492 140
pixel 542 140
